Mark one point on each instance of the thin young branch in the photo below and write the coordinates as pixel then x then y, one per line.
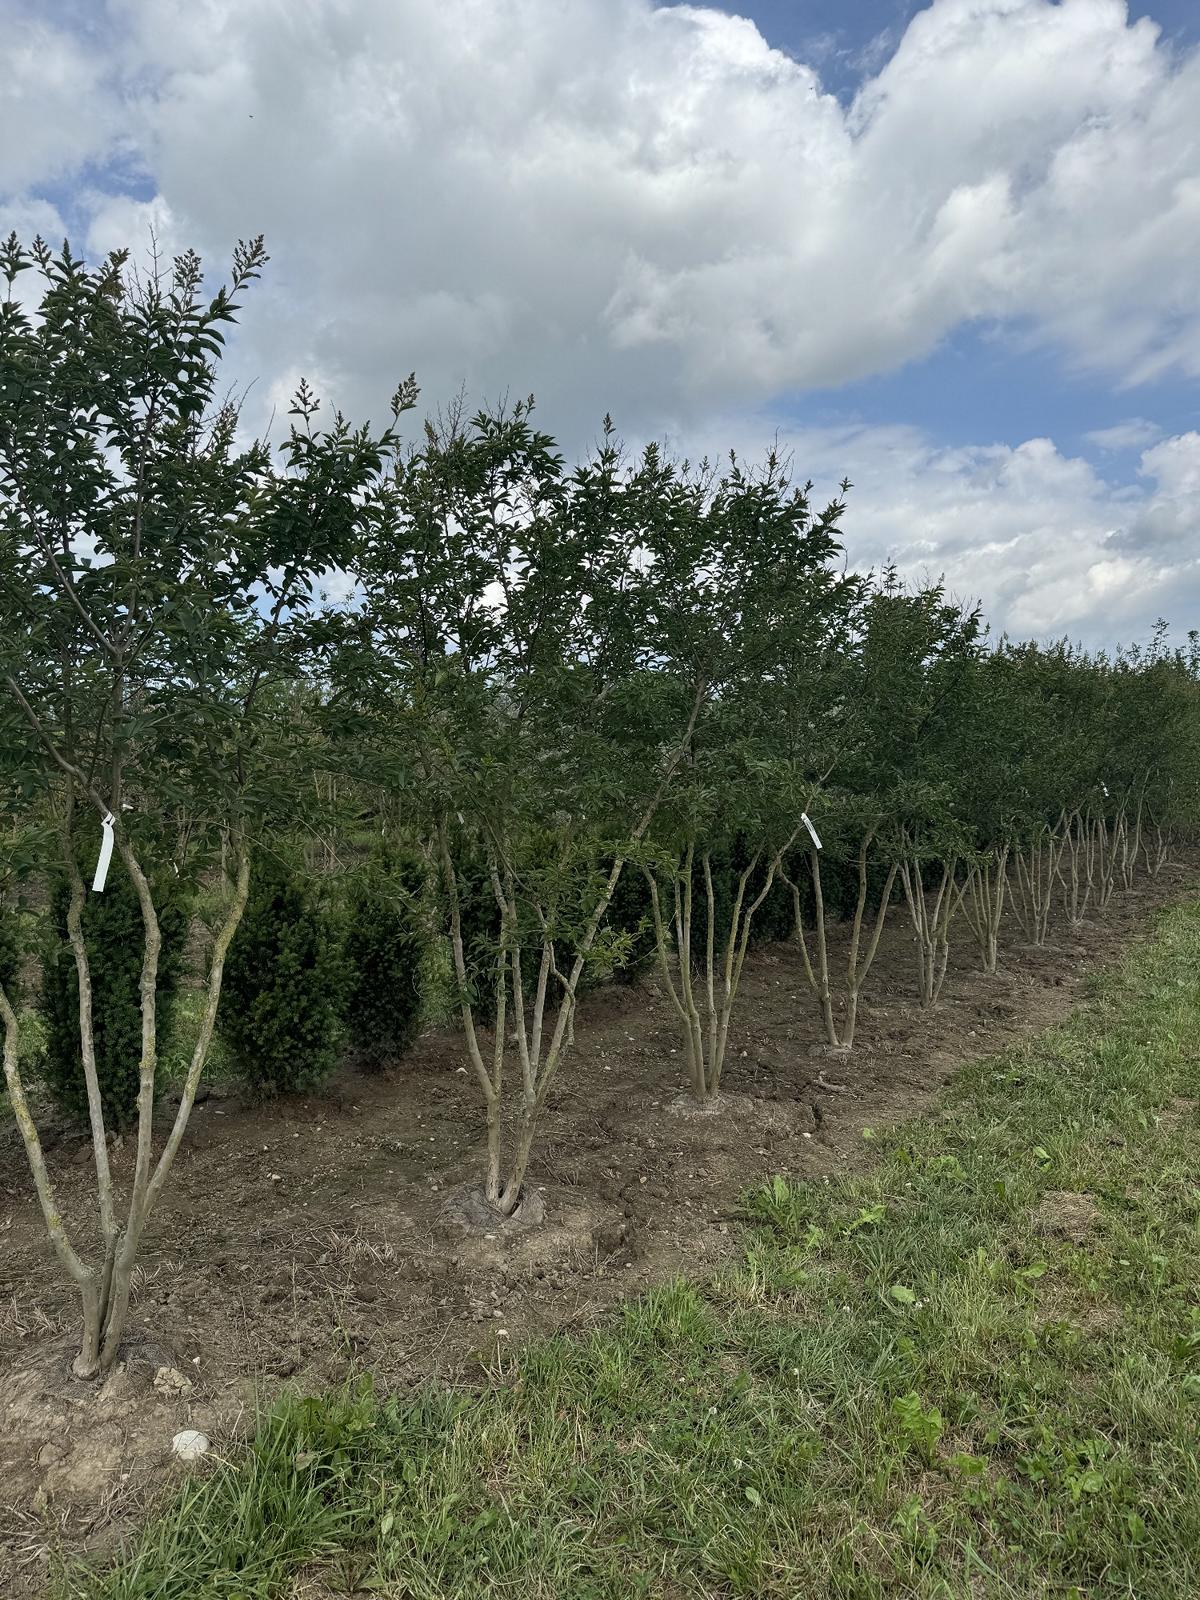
pixel 208 1019
pixel 75 1269
pixel 87 1040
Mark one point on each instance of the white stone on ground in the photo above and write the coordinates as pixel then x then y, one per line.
pixel 190 1445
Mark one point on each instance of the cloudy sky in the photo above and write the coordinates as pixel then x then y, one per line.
pixel 949 250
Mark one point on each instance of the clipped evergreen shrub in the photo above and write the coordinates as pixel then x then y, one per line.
pixel 10 953
pixel 631 913
pixel 480 918
pixel 384 950
pixel 281 1000
pixel 113 935
pixel 775 917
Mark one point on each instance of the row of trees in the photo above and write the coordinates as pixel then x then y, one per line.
pixel 633 703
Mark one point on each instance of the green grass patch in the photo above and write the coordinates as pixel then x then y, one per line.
pixel 910 1383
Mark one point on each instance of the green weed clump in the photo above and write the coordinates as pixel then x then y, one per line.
pixel 919 1381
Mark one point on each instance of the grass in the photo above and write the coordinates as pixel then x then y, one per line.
pixel 906 1384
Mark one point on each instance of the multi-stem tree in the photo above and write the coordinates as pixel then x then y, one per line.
pixel 1152 745
pixel 154 580
pixel 759 610
pixel 500 669
pixel 701 936
pixel 888 705
pixel 933 645
pixel 1022 688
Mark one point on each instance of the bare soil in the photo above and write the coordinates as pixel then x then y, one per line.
pixel 306 1239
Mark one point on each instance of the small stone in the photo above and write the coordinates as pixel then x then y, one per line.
pixel 190 1444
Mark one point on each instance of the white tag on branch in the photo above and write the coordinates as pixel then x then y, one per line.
pixel 106 849
pixel 811 829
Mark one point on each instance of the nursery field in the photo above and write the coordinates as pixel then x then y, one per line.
pixel 440 887
pixel 307 1242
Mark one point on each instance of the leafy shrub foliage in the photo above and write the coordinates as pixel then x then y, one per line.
pixel 113 935
pixel 384 948
pixel 10 952
pixel 630 916
pixel 281 1007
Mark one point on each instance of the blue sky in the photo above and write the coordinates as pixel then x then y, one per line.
pixel 946 250
pixel 846 37
pixel 979 384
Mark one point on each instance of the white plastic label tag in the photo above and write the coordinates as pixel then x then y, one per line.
pixel 811 829
pixel 106 850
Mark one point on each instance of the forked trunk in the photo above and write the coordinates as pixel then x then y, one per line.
pixel 704 1002
pixel 1134 844
pixel 1075 880
pixel 104 1288
pixel 513 1190
pixel 1036 867
pixel 932 911
pixel 859 958
pixel 818 973
pixel 1156 847
pixel 1105 854
pixel 539 1058
pixel 987 884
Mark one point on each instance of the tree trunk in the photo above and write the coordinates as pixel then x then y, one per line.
pixel 987 883
pixel 857 967
pixel 116 1278
pixel 931 914
pixel 706 1037
pixel 510 1199
pixel 818 977
pixel 1036 872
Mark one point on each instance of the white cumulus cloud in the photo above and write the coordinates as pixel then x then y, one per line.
pixel 646 209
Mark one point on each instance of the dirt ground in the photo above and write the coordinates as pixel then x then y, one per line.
pixel 305 1239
